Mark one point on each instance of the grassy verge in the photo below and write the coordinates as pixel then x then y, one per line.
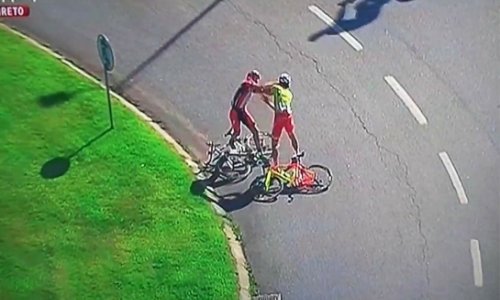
pixel 120 223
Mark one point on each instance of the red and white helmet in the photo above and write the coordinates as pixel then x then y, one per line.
pixel 254 75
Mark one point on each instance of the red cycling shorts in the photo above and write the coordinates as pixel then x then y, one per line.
pixel 238 116
pixel 282 120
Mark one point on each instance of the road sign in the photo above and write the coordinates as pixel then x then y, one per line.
pixel 105 53
pixel 108 62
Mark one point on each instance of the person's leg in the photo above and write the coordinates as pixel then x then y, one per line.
pixel 274 153
pixel 250 124
pixel 276 134
pixel 290 130
pixel 256 139
pixel 294 142
pixel 235 125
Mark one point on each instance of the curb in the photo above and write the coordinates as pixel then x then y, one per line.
pixel 234 244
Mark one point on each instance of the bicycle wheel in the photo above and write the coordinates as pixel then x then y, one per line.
pixel 322 180
pixel 232 168
pixel 259 193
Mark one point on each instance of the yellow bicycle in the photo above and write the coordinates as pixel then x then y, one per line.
pixel 294 176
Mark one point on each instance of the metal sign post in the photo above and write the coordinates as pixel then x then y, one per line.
pixel 108 62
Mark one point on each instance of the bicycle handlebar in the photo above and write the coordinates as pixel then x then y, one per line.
pixel 299 155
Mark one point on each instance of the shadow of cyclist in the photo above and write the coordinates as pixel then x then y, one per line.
pixel 366 11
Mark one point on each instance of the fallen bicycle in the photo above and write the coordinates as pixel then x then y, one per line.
pixel 294 176
pixel 231 164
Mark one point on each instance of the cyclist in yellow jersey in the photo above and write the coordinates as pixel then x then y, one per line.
pixel 282 100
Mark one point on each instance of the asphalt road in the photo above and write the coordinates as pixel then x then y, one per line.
pixel 393 226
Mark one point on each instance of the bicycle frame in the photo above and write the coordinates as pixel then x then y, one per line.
pixel 288 174
pixel 242 149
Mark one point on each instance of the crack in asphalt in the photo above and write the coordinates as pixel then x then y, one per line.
pixel 413 197
pixel 362 123
pixel 255 21
pixel 381 148
pixel 356 115
pixel 400 236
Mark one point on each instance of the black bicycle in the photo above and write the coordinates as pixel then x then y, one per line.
pixel 235 163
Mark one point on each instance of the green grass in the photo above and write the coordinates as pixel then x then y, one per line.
pixel 121 222
pixel 254 288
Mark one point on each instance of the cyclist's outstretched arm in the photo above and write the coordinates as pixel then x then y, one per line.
pixel 267 88
pixel 267 101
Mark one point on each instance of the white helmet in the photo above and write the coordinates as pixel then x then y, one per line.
pixel 254 74
pixel 285 79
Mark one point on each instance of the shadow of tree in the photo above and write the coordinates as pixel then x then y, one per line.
pixel 55 98
pixel 58 98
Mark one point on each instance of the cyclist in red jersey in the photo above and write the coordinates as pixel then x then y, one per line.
pixel 239 113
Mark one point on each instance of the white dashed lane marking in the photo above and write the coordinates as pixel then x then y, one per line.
pixel 329 21
pixel 407 100
pixel 476 263
pixel 455 180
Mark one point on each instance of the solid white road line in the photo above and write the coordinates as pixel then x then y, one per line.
pixel 407 100
pixel 457 184
pixel 476 263
pixel 329 21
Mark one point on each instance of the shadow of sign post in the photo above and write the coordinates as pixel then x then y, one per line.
pixel 58 166
pixel 108 63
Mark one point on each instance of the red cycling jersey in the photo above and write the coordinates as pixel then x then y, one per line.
pixel 238 113
pixel 243 94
